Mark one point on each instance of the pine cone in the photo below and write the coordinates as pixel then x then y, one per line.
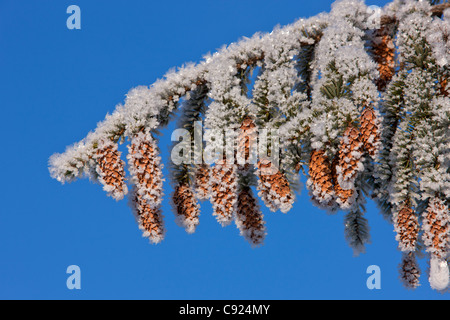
pixel 273 187
pixel 407 228
pixel 149 218
pixel 110 169
pixel 344 198
pixel 370 131
pixel 320 181
pixel 201 182
pixel 350 158
pixel 249 218
pixel 383 51
pixel 409 271
pixel 186 206
pixel 223 191
pixel 246 143
pixel 145 169
pixel 436 228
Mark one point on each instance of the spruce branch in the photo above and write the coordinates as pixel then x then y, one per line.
pixel 359 109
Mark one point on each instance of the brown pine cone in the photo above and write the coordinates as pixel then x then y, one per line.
pixel 249 218
pixel 409 271
pixel 186 208
pixel 407 227
pixel 273 187
pixel 247 140
pixel 223 191
pixel 110 169
pixel 350 158
pixel 320 181
pixel 344 198
pixel 370 131
pixel 149 218
pixel 145 169
pixel 383 51
pixel 201 182
pixel 436 228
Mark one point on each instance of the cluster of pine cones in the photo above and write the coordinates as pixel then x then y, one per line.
pixel 331 181
pixel 219 183
pixel 334 182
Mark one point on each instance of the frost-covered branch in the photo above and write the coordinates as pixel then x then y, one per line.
pixel 359 109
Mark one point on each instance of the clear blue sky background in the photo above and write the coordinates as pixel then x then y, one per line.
pixel 56 84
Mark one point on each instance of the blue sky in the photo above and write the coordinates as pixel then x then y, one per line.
pixel 56 84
